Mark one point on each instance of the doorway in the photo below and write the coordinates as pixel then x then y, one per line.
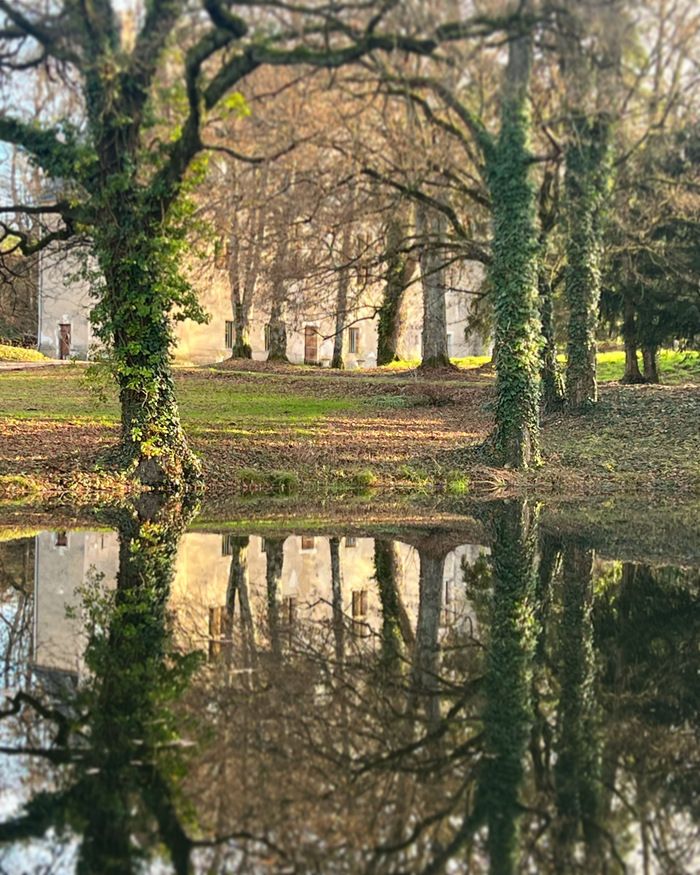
pixel 64 340
pixel 310 345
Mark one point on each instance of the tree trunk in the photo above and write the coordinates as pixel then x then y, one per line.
pixel 341 303
pixel 430 225
pixel 514 268
pixel 241 327
pixel 399 268
pixel 629 333
pixel 277 351
pixel 550 375
pixel 340 317
pixel 650 362
pixel 588 170
pixel 278 330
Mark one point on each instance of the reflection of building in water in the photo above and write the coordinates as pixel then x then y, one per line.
pixel 65 563
pixel 201 591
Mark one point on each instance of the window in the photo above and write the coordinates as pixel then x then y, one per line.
pixel 359 603
pixel 307 543
pixel 267 337
pixel 449 345
pixel 228 340
pixel 350 542
pixel 263 545
pixel 353 339
pixel 61 539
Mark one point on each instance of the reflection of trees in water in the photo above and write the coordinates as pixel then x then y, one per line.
pixel 554 729
pixel 116 739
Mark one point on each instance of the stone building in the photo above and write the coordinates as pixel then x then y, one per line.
pixel 64 329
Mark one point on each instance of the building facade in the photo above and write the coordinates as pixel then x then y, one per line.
pixel 64 328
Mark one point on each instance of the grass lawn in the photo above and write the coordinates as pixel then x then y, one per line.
pixel 326 433
pixel 205 400
pixel 19 354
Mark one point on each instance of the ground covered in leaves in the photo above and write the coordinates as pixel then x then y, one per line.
pixel 287 430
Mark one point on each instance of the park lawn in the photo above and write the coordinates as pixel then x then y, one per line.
pixel 19 354
pixel 675 366
pixel 334 432
pixel 63 395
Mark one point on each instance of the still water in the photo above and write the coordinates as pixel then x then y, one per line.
pixel 215 702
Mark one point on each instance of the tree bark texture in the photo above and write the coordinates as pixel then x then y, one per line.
pixel 586 182
pixel 430 226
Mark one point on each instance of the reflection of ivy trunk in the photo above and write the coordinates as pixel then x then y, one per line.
pixel 399 268
pixel 137 324
pixel 386 572
pixel 514 268
pixel 274 562
pixel 507 684
pixel 238 587
pixel 427 649
pixel 587 180
pixel 629 334
pixel 128 785
pixel 577 770
pixel 337 601
pixel 540 744
pixel 430 226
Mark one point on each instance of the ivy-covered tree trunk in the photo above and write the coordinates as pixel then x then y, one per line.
pixel 430 225
pixel 133 319
pixel 587 182
pixel 514 269
pixel 629 333
pixel 399 268
pixel 550 375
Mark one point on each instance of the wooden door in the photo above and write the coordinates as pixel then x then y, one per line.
pixel 310 345
pixel 64 340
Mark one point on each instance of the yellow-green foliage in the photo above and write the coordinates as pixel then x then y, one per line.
pixel 20 354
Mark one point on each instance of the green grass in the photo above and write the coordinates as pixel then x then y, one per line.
pixel 674 367
pixel 61 394
pixel 467 362
pixel 19 354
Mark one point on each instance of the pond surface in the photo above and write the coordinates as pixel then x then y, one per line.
pixel 215 702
